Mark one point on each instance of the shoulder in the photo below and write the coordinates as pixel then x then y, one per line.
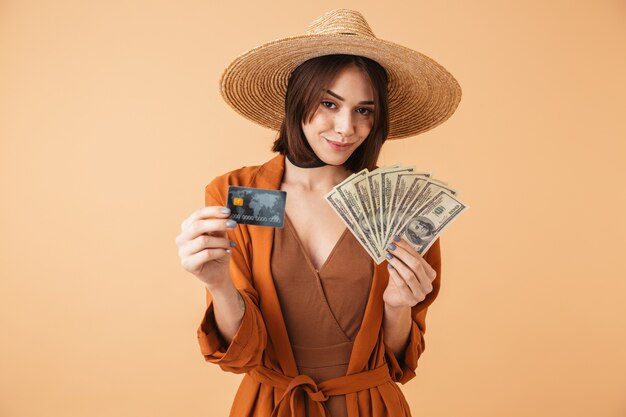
pixel 267 175
pixel 241 176
pixel 246 176
pixel 218 187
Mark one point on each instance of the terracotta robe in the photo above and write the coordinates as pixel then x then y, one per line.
pixel 261 349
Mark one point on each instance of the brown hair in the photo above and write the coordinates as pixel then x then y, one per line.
pixel 305 89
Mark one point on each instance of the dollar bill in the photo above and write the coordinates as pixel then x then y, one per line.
pixel 366 209
pixel 387 183
pixel 422 228
pixel 394 200
pixel 339 206
pixel 373 181
pixel 407 187
pixel 349 194
pixel 414 201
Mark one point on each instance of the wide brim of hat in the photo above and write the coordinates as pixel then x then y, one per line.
pixel 421 93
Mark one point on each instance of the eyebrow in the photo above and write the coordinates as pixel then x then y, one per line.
pixel 337 96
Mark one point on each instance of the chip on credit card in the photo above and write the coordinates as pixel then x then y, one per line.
pixel 257 206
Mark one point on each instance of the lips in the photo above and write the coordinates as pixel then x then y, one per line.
pixel 338 145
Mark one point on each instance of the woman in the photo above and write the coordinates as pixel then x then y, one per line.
pixel 316 326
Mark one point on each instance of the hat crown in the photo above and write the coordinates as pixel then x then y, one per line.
pixel 340 21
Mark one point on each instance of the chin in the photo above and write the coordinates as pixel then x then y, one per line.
pixel 334 160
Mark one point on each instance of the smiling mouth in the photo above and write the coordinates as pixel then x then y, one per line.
pixel 339 144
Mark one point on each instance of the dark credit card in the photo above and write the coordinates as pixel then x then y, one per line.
pixel 257 206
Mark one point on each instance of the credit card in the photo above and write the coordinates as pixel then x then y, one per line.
pixel 257 206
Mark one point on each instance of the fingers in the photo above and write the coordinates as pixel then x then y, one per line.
pixel 204 238
pixel 404 277
pixel 194 263
pixel 203 242
pixel 396 278
pixel 407 273
pixel 407 296
pixel 410 270
pixel 206 213
pixel 412 259
pixel 209 220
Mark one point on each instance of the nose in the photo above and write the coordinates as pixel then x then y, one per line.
pixel 344 123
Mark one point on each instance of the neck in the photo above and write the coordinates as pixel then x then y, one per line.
pixel 321 178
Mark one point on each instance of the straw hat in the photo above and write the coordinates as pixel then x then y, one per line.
pixel 422 94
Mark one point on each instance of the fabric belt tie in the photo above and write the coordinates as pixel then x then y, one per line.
pixel 316 394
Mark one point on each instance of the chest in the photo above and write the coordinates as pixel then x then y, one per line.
pixel 316 224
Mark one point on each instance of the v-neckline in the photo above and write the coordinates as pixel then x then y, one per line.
pixel 269 176
pixel 304 251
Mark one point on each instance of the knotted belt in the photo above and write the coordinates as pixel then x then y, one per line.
pixel 316 394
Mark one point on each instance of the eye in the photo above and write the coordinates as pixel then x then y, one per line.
pixel 364 111
pixel 328 104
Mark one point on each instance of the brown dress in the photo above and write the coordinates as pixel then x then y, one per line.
pixel 261 349
pixel 323 310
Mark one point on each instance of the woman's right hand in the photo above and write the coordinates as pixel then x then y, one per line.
pixel 204 247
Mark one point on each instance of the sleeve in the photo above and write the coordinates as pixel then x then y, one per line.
pixel 404 370
pixel 246 349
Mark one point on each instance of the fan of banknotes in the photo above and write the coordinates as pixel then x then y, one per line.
pixel 395 200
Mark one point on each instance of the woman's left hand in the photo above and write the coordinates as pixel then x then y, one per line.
pixel 410 276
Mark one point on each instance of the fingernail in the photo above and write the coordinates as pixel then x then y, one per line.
pixel 389 266
pixel 391 246
pixel 231 224
pixel 396 238
pixel 388 256
pixel 232 244
pixel 225 210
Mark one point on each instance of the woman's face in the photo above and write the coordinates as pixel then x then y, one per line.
pixel 344 117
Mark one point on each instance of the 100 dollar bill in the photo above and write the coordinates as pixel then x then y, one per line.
pixel 421 228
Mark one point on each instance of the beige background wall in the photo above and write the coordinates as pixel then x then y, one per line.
pixel 111 124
